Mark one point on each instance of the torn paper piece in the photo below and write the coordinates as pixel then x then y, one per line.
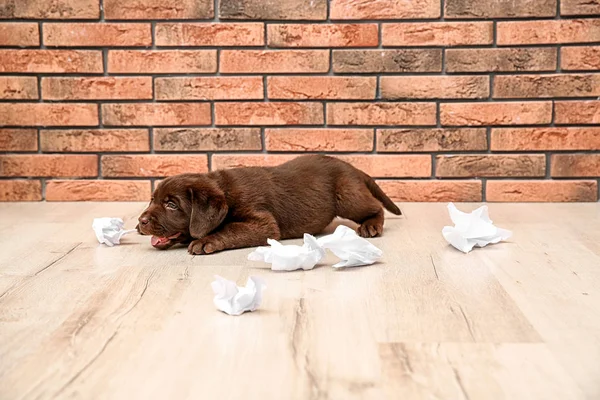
pixel 344 243
pixel 472 229
pixel 290 257
pixel 353 250
pixel 235 300
pixel 109 230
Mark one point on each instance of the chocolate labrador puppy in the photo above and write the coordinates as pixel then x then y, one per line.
pixel 244 207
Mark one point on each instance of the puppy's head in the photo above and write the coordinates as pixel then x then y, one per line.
pixel 183 208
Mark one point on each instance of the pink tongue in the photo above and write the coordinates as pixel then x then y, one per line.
pixel 157 240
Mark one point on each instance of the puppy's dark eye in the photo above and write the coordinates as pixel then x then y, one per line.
pixel 171 205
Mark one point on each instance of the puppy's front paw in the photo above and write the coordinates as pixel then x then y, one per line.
pixel 203 246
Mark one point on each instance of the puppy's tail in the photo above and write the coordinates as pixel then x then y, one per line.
pixel 380 195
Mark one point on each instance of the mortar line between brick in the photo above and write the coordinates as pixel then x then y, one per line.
pixel 251 74
pixel 374 141
pixel 266 35
pixel 101 10
pixel 43 183
pixel 263 140
pixel 153 78
pixel 41 33
pixel 215 17
pixel 153 34
pixel 105 62
pixel 38 77
pixel 39 141
pixel 484 189
pixel 151 139
pixel 308 101
pixel 308 21
pixel 443 73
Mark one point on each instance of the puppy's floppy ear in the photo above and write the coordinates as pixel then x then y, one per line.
pixel 209 209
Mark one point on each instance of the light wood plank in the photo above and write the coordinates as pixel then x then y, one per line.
pixel 515 320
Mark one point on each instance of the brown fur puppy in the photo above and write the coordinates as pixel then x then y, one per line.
pixel 244 207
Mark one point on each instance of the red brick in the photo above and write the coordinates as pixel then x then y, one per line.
pixel 210 88
pixel 391 165
pixel 101 88
pixel 385 9
pixel 19 34
pixel 273 10
pixel 48 165
pixel 18 140
pixel 158 9
pixel 227 161
pixel 547 86
pixel 272 113
pixel 434 87
pixel 48 114
pixel 490 165
pixel 321 87
pixel 210 34
pixel 319 139
pixel 162 61
pixel 374 165
pixel 501 60
pixel 156 114
pixel 381 113
pixel 20 190
pixel 51 61
pixel 94 140
pixel 577 112
pixel 573 165
pixel 274 61
pixel 499 8
pixel 55 9
pixel 18 87
pixel 579 7
pixel 475 114
pixel 402 60
pixel 153 165
pixel 549 31
pixel 207 139
pixel 545 139
pixel 437 33
pixel 433 190
pixel 580 58
pixel 97 190
pixel 541 191
pixel 97 34
pixel 425 140
pixel 323 35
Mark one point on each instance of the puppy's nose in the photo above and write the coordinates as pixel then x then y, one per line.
pixel 144 220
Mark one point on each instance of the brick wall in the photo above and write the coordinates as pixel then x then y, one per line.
pixel 451 100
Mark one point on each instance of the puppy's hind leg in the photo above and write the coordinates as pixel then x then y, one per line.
pixel 356 203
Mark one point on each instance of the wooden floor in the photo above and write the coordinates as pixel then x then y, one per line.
pixel 518 320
